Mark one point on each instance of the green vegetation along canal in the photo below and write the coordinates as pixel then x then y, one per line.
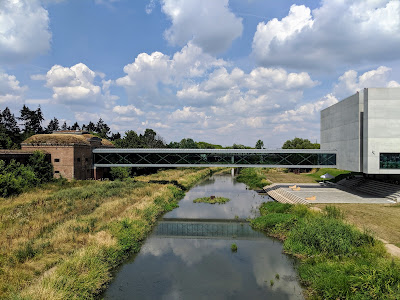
pixel 189 256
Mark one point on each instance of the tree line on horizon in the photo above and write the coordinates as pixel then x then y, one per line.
pixel 12 134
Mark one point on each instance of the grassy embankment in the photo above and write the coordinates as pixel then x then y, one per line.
pixel 257 178
pixel 62 241
pixel 337 261
pixel 215 200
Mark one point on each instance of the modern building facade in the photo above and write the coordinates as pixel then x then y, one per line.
pixel 70 151
pixel 365 130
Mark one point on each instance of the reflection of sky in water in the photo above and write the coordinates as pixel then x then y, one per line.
pixel 174 268
pixel 244 203
pixel 169 268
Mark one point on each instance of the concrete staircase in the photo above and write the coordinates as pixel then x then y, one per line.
pixel 373 187
pixel 276 192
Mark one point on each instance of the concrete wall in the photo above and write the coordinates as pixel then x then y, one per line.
pixel 381 127
pixel 340 130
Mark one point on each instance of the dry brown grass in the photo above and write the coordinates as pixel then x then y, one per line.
pixel 48 227
pixel 382 219
pixel 279 176
pixel 62 139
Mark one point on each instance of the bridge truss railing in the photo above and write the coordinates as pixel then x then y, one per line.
pixel 213 157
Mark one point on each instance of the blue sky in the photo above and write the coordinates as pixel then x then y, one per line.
pixel 213 70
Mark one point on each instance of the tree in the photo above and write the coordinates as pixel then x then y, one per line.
pixel 102 129
pixel 150 139
pixel 91 127
pixel 10 127
pixel 64 126
pixel 299 143
pixel 5 140
pixel 130 140
pixel 75 126
pixel 53 126
pixel 115 136
pixel 32 120
pixel 259 144
pixel 42 168
pixel 184 144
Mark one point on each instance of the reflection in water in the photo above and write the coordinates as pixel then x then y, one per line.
pixel 244 203
pixel 193 268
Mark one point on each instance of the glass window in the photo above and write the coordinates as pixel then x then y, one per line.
pixel 389 160
pixel 56 160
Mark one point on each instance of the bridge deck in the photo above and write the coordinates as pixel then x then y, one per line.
pixel 293 158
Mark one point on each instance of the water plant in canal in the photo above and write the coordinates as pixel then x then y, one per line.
pixel 271 282
pixel 212 200
pixel 234 247
pixel 338 261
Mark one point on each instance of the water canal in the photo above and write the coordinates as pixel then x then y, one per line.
pixel 188 255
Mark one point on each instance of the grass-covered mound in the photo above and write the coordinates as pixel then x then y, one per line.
pixel 215 200
pixel 337 261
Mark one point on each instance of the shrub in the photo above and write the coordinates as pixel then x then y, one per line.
pixel 274 207
pixel 43 169
pixel 120 173
pixel 274 220
pixel 325 235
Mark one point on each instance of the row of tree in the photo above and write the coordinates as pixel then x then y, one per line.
pixel 12 134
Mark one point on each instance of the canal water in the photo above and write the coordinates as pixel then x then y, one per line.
pixel 188 255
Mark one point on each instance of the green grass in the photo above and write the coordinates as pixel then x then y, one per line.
pixel 252 177
pixel 333 172
pixel 337 261
pixel 215 200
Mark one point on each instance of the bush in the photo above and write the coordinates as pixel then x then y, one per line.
pixel 43 169
pixel 325 235
pixel 252 178
pixel 274 220
pixel 120 173
pixel 15 178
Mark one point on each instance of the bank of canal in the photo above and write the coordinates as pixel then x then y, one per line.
pixel 189 255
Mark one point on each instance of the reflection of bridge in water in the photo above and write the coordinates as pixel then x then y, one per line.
pixel 282 158
pixel 206 228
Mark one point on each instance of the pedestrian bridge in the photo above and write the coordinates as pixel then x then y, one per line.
pixel 163 158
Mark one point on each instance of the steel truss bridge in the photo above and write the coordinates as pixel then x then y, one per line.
pixel 163 158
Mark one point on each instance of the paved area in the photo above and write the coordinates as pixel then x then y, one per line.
pixel 333 194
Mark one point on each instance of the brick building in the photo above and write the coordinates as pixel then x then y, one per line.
pixel 70 151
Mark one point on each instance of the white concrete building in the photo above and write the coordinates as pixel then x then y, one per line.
pixel 365 130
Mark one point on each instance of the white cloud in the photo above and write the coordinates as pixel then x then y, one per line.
pixel 149 71
pixel 11 92
pixel 209 24
pixel 349 83
pixel 307 112
pixel 338 32
pixel 187 115
pixel 76 85
pixel 127 110
pixel 24 30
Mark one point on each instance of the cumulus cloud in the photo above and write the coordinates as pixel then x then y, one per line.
pixel 306 112
pixel 149 71
pixel 11 92
pixel 127 110
pixel 264 88
pixel 209 24
pixel 24 30
pixel 337 32
pixel 350 82
pixel 187 115
pixel 76 86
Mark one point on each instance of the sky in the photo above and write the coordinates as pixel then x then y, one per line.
pixel 220 71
